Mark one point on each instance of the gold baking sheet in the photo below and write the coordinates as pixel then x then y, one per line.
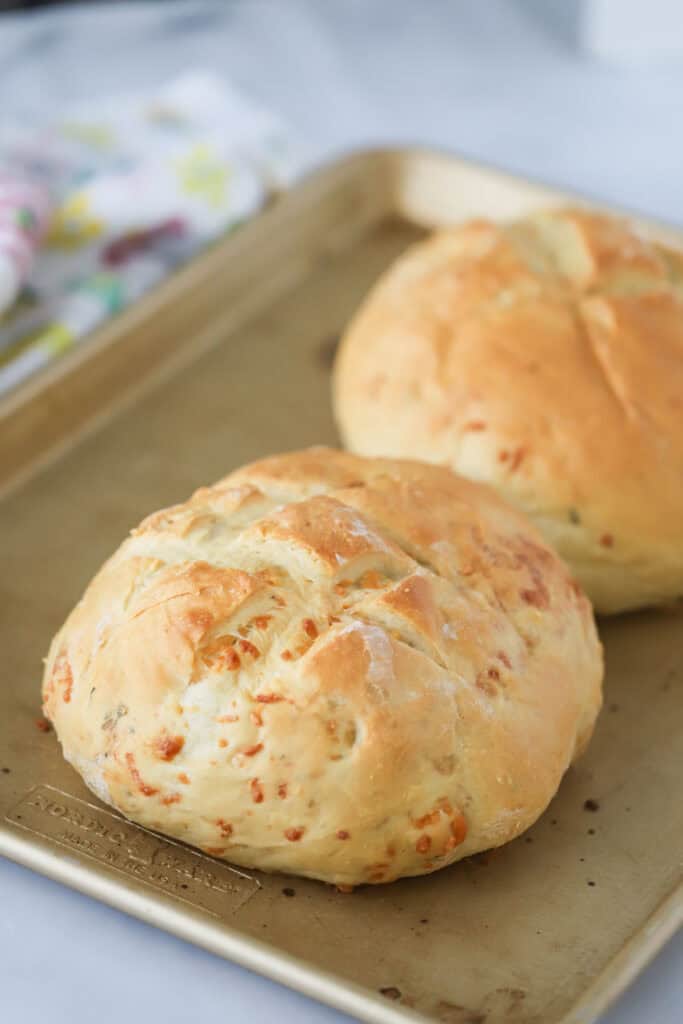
pixel 226 362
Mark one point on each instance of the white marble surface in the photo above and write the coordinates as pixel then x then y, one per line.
pixel 481 77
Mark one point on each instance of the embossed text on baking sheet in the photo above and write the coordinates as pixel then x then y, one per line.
pixel 104 837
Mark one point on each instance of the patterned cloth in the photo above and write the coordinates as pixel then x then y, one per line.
pixel 136 186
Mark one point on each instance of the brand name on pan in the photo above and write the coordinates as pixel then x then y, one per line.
pixel 102 836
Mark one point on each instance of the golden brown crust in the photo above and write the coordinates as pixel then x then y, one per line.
pixel 544 357
pixel 345 668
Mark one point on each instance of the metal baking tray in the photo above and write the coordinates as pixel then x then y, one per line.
pixel 227 361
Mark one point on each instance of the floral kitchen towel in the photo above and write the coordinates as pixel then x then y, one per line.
pixel 106 200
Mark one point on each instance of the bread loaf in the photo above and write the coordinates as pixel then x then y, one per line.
pixel 345 668
pixel 544 357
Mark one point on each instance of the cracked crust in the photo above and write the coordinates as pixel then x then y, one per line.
pixel 544 357
pixel 339 667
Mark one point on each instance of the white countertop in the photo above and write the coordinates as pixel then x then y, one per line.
pixel 484 78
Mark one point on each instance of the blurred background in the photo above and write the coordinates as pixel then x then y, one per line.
pixel 583 93
pixel 122 123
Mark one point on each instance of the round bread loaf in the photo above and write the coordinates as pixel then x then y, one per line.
pixel 345 668
pixel 544 357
